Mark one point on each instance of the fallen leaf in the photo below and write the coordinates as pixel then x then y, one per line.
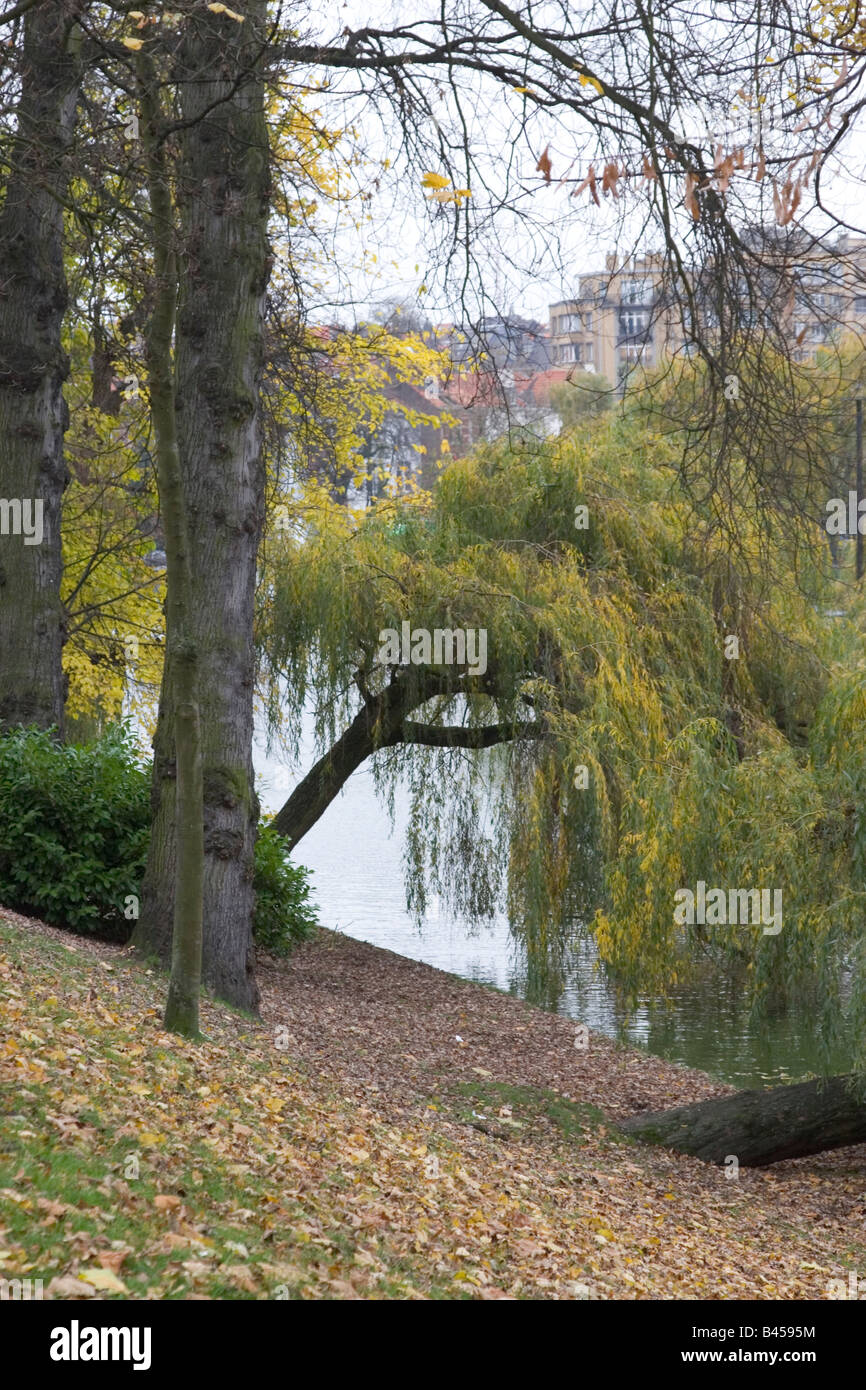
pixel 67 1286
pixel 241 1275
pixel 104 1279
pixel 112 1259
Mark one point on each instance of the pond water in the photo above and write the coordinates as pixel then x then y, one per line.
pixel 356 859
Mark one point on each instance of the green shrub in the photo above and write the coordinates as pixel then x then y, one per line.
pixel 284 914
pixel 74 827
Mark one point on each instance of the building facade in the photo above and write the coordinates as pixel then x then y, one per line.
pixel 622 318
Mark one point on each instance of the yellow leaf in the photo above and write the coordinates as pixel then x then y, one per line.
pixel 134 44
pixel 434 181
pixel 103 1279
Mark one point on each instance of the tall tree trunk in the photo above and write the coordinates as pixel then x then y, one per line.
pixel 223 199
pixel 182 1008
pixel 33 368
pixel 760 1127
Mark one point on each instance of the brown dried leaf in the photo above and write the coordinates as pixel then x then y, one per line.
pixel 544 165
pixel 689 198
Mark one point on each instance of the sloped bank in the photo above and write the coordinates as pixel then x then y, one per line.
pixel 388 1131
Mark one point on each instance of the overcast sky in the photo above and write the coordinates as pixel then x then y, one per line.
pixel 527 257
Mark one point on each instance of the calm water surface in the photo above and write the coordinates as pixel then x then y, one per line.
pixel 356 861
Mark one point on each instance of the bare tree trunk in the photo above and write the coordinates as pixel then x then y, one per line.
pixel 33 368
pixel 223 198
pixel 182 1008
pixel 760 1127
pixel 373 727
pixel 382 722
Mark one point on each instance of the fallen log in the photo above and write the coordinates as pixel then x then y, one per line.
pixel 760 1127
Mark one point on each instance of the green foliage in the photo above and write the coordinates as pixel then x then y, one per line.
pixel 284 915
pixel 583 397
pixel 74 828
pixel 745 772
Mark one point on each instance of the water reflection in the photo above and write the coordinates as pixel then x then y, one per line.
pixel 358 877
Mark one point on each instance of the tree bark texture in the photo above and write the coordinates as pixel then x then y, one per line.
pixel 222 194
pixel 33 368
pixel 760 1127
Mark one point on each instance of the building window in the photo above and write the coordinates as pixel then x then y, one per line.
pixel 636 290
pixel 572 323
pixel 574 352
pixel 571 352
pixel 810 332
pixel 633 323
pixel 832 303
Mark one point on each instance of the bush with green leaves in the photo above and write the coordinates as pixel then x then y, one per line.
pixel 284 914
pixel 74 827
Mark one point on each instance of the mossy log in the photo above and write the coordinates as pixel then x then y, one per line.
pixel 760 1127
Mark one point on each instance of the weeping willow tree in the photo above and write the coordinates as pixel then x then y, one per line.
pixel 653 714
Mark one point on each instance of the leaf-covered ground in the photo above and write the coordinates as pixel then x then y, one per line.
pixel 387 1131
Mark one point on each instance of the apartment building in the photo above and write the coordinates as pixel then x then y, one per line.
pixel 828 297
pixel 621 319
pixel 618 320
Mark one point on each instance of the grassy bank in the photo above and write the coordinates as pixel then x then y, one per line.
pixel 386 1131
